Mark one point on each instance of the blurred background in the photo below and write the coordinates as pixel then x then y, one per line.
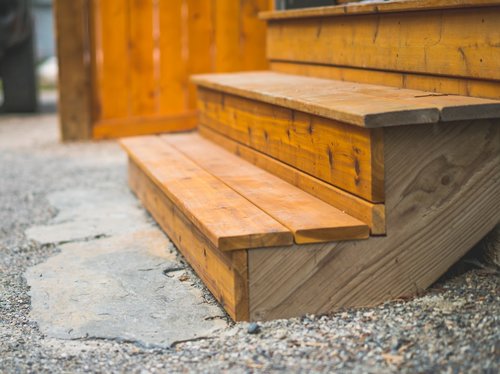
pixel 28 66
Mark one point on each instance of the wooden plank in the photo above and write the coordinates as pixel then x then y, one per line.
pixel 228 220
pixel 443 196
pixel 239 36
pixel 353 8
pixel 365 105
pixel 111 59
pixel 458 42
pixel 253 35
pixel 200 39
pixel 173 54
pixel 331 99
pixel 372 214
pixel 142 45
pixel 430 83
pixel 308 218
pixel 75 95
pixel 227 35
pixel 345 156
pixel 224 273
pixel 116 128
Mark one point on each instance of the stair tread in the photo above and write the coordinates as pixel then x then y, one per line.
pixel 227 219
pixel 310 219
pixel 360 104
pixel 377 7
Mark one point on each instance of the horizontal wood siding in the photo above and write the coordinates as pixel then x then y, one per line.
pixel 453 42
pixel 345 156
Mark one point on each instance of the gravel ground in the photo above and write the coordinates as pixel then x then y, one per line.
pixel 454 327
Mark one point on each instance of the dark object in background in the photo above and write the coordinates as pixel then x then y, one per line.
pixel 295 4
pixel 17 57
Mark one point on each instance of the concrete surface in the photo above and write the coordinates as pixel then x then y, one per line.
pixel 113 279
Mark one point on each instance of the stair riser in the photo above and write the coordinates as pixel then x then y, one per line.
pixel 345 156
pixel 453 42
pixel 224 273
pixel 488 89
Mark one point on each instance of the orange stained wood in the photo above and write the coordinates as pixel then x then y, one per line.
pixel 447 85
pixel 310 219
pixel 174 57
pixel 450 42
pixel 224 273
pixel 358 104
pixel 372 214
pixel 141 61
pixel 199 28
pixel 113 128
pixel 227 219
pixel 110 52
pixel 349 157
pixel 143 74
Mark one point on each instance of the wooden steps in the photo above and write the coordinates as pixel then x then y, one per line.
pixel 234 203
pixel 309 219
pixel 272 201
pixel 357 104
pixel 216 206
pixel 307 122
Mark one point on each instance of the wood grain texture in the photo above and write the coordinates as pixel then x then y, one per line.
pixel 353 8
pixel 430 83
pixel 224 273
pixel 357 104
pixel 117 128
pixel 229 221
pixel 140 62
pixel 144 85
pixel 75 90
pixel 455 42
pixel 443 196
pixel 110 58
pixel 309 219
pixel 345 156
pixel 364 105
pixel 173 57
pixel 372 214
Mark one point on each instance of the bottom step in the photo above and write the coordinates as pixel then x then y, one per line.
pixel 435 213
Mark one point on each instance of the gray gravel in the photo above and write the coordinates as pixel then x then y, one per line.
pixel 454 327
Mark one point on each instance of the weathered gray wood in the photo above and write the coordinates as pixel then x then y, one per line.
pixel 443 196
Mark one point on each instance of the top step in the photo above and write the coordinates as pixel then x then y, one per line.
pixel 375 7
pixel 358 104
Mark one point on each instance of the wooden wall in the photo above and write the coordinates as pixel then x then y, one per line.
pixel 140 53
pixel 451 47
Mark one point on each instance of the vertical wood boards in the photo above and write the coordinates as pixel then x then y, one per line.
pixel 75 96
pixel 453 42
pixel 372 214
pixel 345 156
pixel 443 196
pixel 142 47
pixel 173 57
pixel 141 55
pixel 225 274
pixel 111 60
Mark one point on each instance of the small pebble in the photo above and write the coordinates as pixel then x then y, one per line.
pixel 253 328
